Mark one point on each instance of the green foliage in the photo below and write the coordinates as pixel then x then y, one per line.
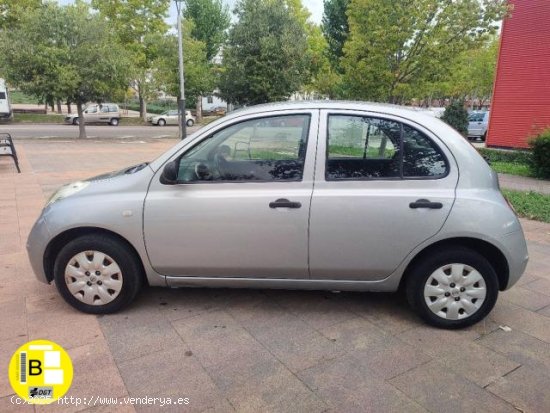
pixel 395 47
pixel 140 27
pixel 211 21
pixel 335 29
pixel 456 116
pixel 541 154
pixel 200 76
pixel 530 205
pixel 156 107
pixel 64 53
pixel 37 118
pixel 11 11
pixel 266 57
pixel 16 96
pixel 497 155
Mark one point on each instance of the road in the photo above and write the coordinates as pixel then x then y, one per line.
pixel 28 130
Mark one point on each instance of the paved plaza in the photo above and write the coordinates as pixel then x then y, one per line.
pixel 259 350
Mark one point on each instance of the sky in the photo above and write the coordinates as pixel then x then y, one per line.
pixel 315 7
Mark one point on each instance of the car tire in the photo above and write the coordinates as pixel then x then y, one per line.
pixel 76 121
pixel 483 137
pixel 441 279
pixel 161 122
pixel 114 122
pixel 86 278
pixel 190 122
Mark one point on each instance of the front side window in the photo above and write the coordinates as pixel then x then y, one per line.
pixel 265 149
pixel 362 147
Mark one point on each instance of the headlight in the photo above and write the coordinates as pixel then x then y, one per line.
pixel 67 190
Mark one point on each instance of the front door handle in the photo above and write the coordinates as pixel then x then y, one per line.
pixel 284 203
pixel 425 203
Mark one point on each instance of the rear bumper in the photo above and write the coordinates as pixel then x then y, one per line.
pixel 517 255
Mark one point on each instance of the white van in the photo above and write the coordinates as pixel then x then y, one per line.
pixel 97 113
pixel 5 107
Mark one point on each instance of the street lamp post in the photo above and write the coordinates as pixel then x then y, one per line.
pixel 181 103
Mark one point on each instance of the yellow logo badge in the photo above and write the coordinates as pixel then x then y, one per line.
pixel 40 371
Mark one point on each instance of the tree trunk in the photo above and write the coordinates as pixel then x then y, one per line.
pixel 142 108
pixel 81 123
pixel 198 109
pixel 59 106
pixel 69 110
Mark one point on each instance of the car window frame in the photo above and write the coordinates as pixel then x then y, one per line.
pixel 307 114
pixel 401 121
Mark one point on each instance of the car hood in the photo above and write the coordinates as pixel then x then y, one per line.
pixel 122 172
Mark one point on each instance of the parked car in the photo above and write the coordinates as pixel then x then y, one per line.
pixel 170 117
pixel 303 195
pixel 97 113
pixel 477 124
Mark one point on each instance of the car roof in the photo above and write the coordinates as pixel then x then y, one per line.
pixel 410 113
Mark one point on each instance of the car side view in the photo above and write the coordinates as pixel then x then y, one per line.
pixel 299 195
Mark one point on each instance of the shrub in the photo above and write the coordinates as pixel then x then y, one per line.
pixel 540 146
pixel 497 155
pixel 456 116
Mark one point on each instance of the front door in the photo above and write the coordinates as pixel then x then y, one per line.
pixel 241 205
pixel 383 187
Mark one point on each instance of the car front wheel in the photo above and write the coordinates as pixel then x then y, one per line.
pixel 190 122
pixel 97 274
pixel 453 288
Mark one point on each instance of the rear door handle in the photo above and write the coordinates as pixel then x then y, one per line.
pixel 425 203
pixel 284 203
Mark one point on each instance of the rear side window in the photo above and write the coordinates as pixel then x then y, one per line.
pixel 2 95
pixel 421 157
pixel 360 147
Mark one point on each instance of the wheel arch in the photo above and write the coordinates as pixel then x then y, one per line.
pixel 60 240
pixel 492 253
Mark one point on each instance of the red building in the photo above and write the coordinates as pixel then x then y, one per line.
pixel 521 98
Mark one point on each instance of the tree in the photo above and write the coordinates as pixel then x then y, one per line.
pixel 64 53
pixel 456 116
pixel 12 10
pixel 265 58
pixel 210 23
pixel 199 74
pixel 395 46
pixel 138 23
pixel 335 29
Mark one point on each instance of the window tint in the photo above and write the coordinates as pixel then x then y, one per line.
pixel 362 147
pixel 266 149
pixel 421 157
pixel 2 95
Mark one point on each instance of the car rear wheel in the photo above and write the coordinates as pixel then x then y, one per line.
pixel 161 122
pixel 114 122
pixel 190 122
pixel 76 121
pixel 97 274
pixel 454 288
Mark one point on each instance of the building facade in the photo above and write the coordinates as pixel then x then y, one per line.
pixel 521 98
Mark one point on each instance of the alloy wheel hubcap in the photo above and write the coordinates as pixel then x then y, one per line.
pixel 93 278
pixel 455 291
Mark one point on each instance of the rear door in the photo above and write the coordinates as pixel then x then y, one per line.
pixel 383 185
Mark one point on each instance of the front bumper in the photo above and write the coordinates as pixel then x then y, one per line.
pixel 37 242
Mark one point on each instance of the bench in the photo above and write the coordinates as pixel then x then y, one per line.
pixel 8 149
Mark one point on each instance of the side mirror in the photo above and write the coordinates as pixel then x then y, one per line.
pixel 170 173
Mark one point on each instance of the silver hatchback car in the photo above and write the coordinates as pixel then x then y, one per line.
pixel 306 195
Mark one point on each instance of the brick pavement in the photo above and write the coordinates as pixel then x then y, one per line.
pixel 259 350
